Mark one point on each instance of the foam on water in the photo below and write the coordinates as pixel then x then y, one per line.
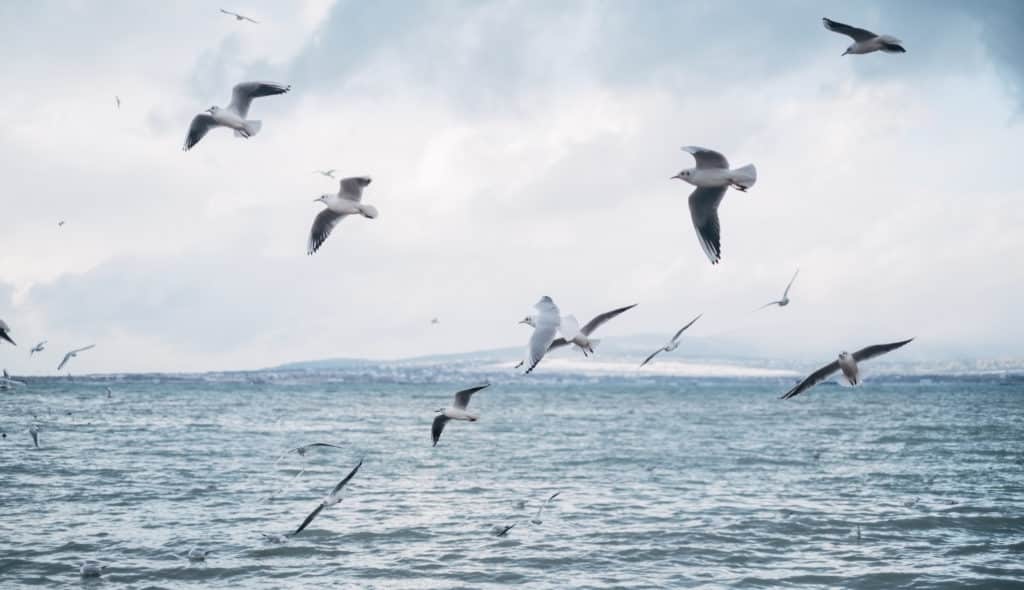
pixel 665 482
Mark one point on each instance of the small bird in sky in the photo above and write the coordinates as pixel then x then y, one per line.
pixel 239 17
pixel 37 348
pixel 327 173
pixel 72 354
pixel 785 294
pixel 348 201
pixel 864 41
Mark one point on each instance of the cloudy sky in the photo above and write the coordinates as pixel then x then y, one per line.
pixel 517 149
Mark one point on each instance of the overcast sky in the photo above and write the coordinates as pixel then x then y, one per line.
pixel 518 149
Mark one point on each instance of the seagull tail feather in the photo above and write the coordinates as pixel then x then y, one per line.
pixel 368 211
pixel 744 177
pixel 251 128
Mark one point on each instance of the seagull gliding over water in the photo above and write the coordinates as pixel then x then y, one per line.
pixel 580 337
pixel 333 498
pixel 546 323
pixel 456 412
pixel 785 294
pixel 37 348
pixel 673 344
pixel 536 519
pixel 847 363
pixel 347 202
pixel 73 354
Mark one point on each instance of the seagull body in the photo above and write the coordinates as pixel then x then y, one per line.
pixel 457 411
pixel 91 569
pixel 502 530
pixel 34 431
pixel 435 322
pixel 198 554
pixel 5 332
pixel 580 337
pixel 73 354
pixel 864 41
pixel 847 363
pixel 712 177
pixel 301 451
pixel 546 323
pixel 61 223
pixel 536 519
pixel 347 202
pixel 239 17
pixel 330 500
pixel 327 173
pixel 117 101
pixel 234 116
pixel 672 344
pixel 785 294
pixel 37 348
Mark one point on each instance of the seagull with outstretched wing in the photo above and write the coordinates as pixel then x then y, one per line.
pixel 72 354
pixel 672 344
pixel 333 498
pixel 847 363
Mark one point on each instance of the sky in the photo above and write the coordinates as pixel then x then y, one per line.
pixel 518 149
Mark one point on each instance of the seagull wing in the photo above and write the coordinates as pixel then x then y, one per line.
pixel 242 95
pixel 352 188
pixel 435 431
pixel 813 379
pixel 557 343
pixel 569 326
pixel 322 226
pixel 653 354
pixel 600 319
pixel 228 12
pixel 770 303
pixel 683 329
pixel 853 32
pixel 35 437
pixel 462 397
pixel 544 333
pixel 323 445
pixel 201 124
pixel 67 357
pixel 83 349
pixel 252 20
pixel 704 212
pixel 878 350
pixel 706 158
pixel 309 519
pixel 342 483
pixel 786 292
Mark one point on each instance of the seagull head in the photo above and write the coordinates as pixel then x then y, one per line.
pixel 213 110
pixel 844 355
pixel 847 51
pixel 529 321
pixel 321 199
pixel 685 175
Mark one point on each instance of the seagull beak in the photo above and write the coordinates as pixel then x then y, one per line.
pixel 679 176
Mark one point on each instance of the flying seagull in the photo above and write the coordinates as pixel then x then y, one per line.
pixel 864 41
pixel 347 202
pixel 34 431
pixel 785 294
pixel 545 324
pixel 435 322
pixel 847 363
pixel 712 177
pixel 117 102
pixel 5 332
pixel 536 519
pixel 7 382
pixel 61 223
pixel 327 173
pixel 581 336
pixel 233 117
pixel 333 498
pixel 673 344
pixel 502 530
pixel 91 569
pixel 239 16
pixel 198 554
pixel 456 412
pixel 301 451
pixel 37 348
pixel 73 354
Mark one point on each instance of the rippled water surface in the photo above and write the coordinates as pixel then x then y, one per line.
pixel 664 483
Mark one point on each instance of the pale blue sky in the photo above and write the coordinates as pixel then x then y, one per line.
pixel 518 149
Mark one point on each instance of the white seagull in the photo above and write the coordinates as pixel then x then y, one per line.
pixel 37 348
pixel 233 117
pixel 117 101
pixel 61 223
pixel 73 354
pixel 502 530
pixel 847 363
pixel 34 431
pixel 5 332
pixel 239 16
pixel 456 412
pixel 546 323
pixel 581 336
pixel 91 569
pixel 712 177
pixel 864 41
pixel 347 202
pixel 301 451
pixel 198 554
pixel 785 294
pixel 327 173
pixel 672 344
pixel 333 498
pixel 536 519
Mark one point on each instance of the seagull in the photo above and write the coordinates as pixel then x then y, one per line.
pixel 348 201
pixel 673 344
pixel 197 554
pixel 61 223
pixel 864 41
pixel 110 391
pixel 847 363
pixel 456 412
pixel 7 382
pixel 34 431
pixel 73 354
pixel 37 348
pixel 117 101
pixel 233 117
pixel 239 16
pixel 712 177
pixel 91 569
pixel 536 519
pixel 502 531
pixel 327 173
pixel 5 332
pixel 435 322
pixel 785 294
pixel 333 498
pixel 581 336
pixel 545 326
pixel 306 448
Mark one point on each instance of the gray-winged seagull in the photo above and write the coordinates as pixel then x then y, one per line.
pixel 785 294
pixel 847 363
pixel 864 41
pixel 333 498
pixel 239 17
pixel 5 332
pixel 234 116
pixel 672 344
pixel 457 411
pixel 347 202
pixel 72 354
pixel 546 323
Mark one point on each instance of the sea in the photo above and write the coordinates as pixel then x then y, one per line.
pixel 913 481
